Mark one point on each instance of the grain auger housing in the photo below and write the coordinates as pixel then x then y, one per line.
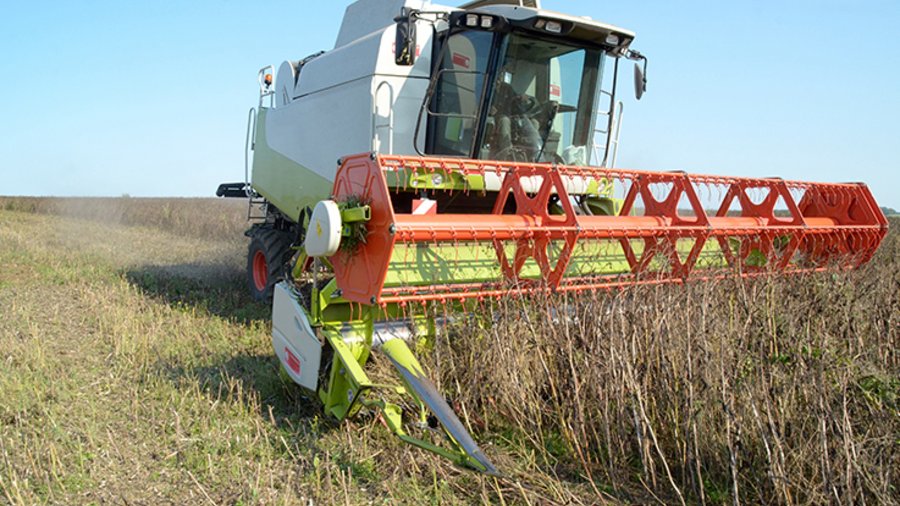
pixel 488 138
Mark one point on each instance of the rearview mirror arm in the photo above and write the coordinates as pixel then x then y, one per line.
pixel 636 56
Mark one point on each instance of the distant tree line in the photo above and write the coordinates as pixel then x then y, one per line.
pixel 889 211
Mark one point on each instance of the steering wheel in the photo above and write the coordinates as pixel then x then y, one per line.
pixel 534 108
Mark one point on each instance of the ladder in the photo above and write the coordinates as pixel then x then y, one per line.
pixel 605 138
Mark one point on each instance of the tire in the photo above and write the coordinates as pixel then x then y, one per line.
pixel 267 256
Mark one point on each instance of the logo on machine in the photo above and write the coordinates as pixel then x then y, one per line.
pixel 292 361
pixel 461 60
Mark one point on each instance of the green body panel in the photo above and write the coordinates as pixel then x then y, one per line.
pixel 447 180
pixel 426 264
pixel 286 184
pixel 425 179
pixel 348 381
pixel 348 331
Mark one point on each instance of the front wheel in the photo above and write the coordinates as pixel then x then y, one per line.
pixel 267 255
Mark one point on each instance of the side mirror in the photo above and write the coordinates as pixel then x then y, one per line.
pixel 405 44
pixel 640 82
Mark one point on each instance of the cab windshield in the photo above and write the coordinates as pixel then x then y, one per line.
pixel 534 104
pixel 542 103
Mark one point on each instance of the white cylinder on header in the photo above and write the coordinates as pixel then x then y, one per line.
pixel 323 237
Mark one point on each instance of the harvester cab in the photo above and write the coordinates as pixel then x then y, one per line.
pixel 517 84
pixel 488 137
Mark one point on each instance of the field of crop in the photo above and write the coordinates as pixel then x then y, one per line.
pixel 134 369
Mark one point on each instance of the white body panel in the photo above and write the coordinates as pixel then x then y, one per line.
pixel 315 131
pixel 354 98
pixel 361 16
pixel 295 342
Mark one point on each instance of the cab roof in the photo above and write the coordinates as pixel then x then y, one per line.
pixel 579 27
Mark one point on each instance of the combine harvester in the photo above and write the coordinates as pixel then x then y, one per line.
pixel 489 136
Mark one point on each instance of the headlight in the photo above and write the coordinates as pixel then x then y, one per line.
pixel 483 21
pixel 553 27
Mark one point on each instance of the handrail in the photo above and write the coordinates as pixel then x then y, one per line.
pixel 249 145
pixel 617 127
pixel 266 90
pixel 603 127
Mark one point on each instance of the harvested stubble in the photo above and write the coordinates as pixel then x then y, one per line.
pixel 200 217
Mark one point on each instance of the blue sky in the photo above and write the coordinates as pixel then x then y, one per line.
pixel 150 98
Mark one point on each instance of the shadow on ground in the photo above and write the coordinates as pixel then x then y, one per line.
pixel 215 288
pixel 220 290
pixel 258 373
